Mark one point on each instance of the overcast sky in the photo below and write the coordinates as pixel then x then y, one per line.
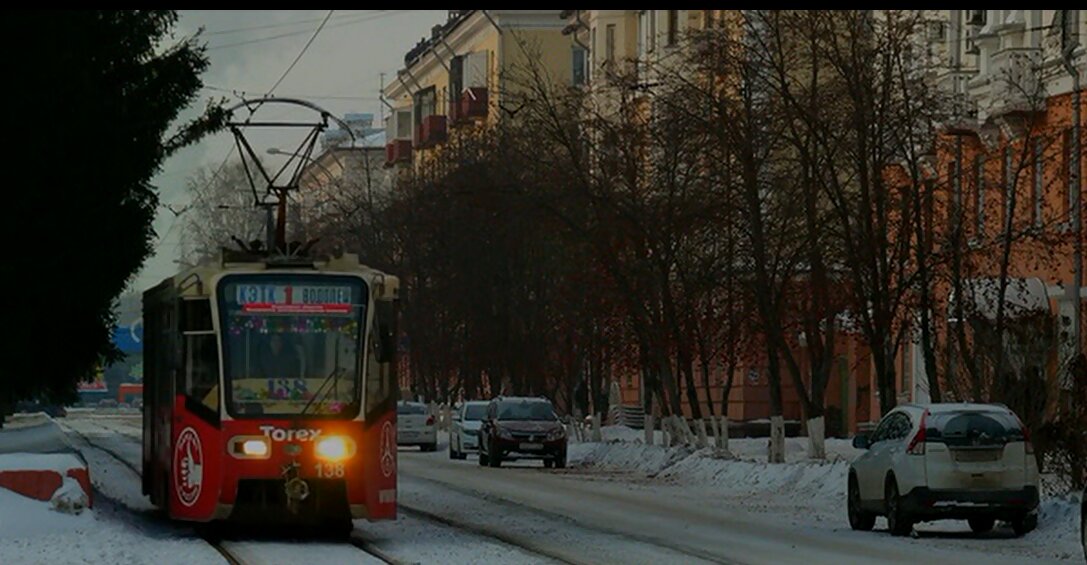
pixel 249 51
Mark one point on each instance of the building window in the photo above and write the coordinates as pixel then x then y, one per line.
pixel 456 77
pixel 425 104
pixel 954 178
pixel 579 57
pixel 642 25
pixel 673 27
pixel 1009 188
pixel 592 50
pixel 1066 195
pixel 1039 175
pixel 907 370
pixel 979 196
pixel 609 43
pixel 652 33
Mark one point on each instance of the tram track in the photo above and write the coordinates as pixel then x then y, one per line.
pixel 226 548
pixel 515 541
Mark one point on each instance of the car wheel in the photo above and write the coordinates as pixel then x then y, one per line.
pixel 898 523
pixel 548 463
pixel 1025 524
pixel 858 519
pixel 560 461
pixel 981 524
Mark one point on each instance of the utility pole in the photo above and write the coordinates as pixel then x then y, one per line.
pixel 1068 47
pixel 269 227
pixel 381 98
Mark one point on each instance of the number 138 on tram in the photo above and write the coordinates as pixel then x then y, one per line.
pixel 270 392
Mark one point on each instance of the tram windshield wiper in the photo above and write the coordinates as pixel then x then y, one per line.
pixel 333 378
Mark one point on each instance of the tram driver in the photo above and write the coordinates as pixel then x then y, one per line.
pixel 279 361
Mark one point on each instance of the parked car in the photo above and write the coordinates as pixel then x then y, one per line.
pixel 522 428
pixel 971 462
pixel 464 431
pixel 415 426
pixel 32 406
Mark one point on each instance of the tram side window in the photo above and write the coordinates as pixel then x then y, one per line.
pixel 381 368
pixel 201 355
pixel 202 370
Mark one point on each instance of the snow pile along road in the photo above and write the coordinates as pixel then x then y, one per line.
pixel 816 483
pixel 810 491
pixel 31 532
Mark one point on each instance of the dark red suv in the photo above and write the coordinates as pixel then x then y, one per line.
pixel 522 428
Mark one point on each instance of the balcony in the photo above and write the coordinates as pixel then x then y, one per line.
pixel 471 104
pixel 397 151
pixel 430 132
pixel 1015 87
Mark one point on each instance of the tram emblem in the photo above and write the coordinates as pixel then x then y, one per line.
pixel 188 467
pixel 388 449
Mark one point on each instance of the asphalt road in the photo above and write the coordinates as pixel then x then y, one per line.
pixel 662 518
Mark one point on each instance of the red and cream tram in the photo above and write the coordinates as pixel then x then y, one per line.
pixel 270 391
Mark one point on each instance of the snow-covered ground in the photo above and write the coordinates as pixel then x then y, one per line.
pixel 810 493
pixel 31 532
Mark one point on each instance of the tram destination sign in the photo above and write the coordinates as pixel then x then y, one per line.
pixel 298 299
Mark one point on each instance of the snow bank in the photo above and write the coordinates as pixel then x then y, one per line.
pixel 43 475
pixel 70 497
pixel 57 462
pixel 32 533
pixel 811 487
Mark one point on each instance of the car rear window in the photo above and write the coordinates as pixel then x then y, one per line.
pixel 526 410
pixel 410 409
pixel 972 429
pixel 475 411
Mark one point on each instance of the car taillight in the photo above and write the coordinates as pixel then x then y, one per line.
pixel 1027 445
pixel 430 420
pixel 917 444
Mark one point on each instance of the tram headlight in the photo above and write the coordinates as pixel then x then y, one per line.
pixel 255 448
pixel 250 447
pixel 334 448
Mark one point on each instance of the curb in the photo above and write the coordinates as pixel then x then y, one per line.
pixel 40 475
pixel 40 484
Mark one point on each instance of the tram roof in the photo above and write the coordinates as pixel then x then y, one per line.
pixel 193 281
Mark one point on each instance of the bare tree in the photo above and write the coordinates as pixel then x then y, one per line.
pixel 221 207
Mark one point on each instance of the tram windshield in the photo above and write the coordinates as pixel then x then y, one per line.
pixel 291 344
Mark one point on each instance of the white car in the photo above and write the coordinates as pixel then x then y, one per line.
pixel 1083 521
pixel 464 433
pixel 415 426
pixel 969 462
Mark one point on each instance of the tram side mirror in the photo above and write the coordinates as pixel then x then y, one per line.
pixel 385 330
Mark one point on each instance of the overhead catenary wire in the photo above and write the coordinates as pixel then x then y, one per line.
pixel 361 19
pixel 305 48
pixel 286 24
pixel 302 96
